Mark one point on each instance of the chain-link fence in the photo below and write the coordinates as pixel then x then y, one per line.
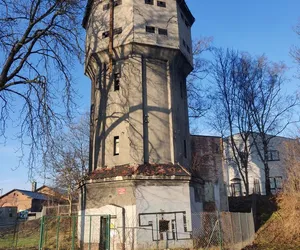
pixel 164 230
pixel 75 232
pixel 21 235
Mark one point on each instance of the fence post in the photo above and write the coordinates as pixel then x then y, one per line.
pixel 248 229
pixel 220 230
pixel 57 232
pixel 108 233
pixel 42 233
pixel 90 234
pixel 241 232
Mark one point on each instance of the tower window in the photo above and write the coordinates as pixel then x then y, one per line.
pixel 184 149
pixel 161 4
pixel 184 43
pixel 117 81
pixel 117 31
pixel 105 34
pixel 116 145
pixel 163 32
pixel 149 2
pixel 150 29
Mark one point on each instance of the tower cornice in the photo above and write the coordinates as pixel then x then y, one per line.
pixel 181 3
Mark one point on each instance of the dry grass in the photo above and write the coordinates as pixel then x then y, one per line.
pixel 282 230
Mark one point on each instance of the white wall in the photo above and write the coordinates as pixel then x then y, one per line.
pixel 255 165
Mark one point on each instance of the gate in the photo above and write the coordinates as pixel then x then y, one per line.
pixel 87 232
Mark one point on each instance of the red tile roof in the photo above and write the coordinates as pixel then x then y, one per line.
pixel 144 169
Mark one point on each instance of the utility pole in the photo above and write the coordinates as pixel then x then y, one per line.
pixel 111 35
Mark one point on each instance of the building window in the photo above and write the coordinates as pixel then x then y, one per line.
pixel 116 145
pixel 184 149
pixel 198 194
pixel 163 32
pixel 276 183
pixel 117 31
pixel 149 2
pixel 184 43
pixel 117 81
pixel 236 187
pixel 256 187
pixel 150 29
pixel 273 155
pixel 161 4
pixel 163 227
pixel 105 34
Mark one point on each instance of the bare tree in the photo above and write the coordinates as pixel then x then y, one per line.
pixel 197 102
pixel 295 50
pixel 251 108
pixel 270 109
pixel 67 162
pixel 231 73
pixel 39 43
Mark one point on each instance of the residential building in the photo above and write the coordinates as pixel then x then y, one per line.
pixel 277 153
pixel 33 200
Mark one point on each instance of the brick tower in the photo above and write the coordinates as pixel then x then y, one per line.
pixel 138 55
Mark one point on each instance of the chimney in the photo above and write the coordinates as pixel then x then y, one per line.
pixel 33 186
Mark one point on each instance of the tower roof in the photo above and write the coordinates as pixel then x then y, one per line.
pixel 181 3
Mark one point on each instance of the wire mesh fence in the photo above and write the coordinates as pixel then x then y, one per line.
pixel 20 235
pixel 199 231
pixel 75 232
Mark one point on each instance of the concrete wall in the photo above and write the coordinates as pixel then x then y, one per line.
pixel 149 113
pixel 207 164
pixel 139 205
pixel 150 105
pixel 133 16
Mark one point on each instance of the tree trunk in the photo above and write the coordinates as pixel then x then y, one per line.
pixel 267 170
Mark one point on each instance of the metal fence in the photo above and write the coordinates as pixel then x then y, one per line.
pixel 206 230
pixel 75 232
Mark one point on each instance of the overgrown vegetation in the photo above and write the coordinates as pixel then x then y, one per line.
pixel 282 230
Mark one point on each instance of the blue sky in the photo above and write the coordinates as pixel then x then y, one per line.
pixel 256 26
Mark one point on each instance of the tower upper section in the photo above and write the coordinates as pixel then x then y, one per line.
pixel 163 23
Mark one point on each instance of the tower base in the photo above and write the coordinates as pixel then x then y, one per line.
pixel 149 207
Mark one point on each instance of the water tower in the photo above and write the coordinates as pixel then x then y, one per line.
pixel 138 56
